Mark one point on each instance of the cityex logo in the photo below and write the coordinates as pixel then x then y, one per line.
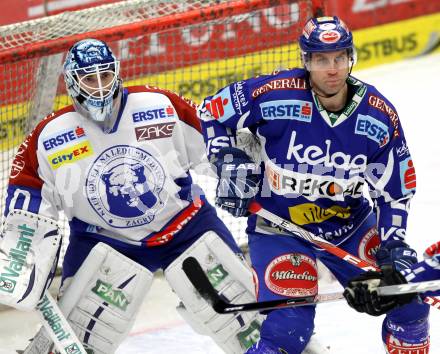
pixel 70 154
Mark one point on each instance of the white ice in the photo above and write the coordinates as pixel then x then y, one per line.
pixel 412 86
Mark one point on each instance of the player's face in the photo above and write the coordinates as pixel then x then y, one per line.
pixel 97 84
pixel 328 71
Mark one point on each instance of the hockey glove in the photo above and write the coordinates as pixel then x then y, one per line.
pixel 361 293
pixel 397 254
pixel 238 182
pixel 428 269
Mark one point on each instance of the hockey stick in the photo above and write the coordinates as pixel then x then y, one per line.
pixel 256 208
pixel 294 229
pixel 409 288
pixel 198 278
pixel 57 327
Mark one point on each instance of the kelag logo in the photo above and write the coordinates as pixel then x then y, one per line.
pixel 372 128
pixel 151 113
pixel 287 109
pixel 62 137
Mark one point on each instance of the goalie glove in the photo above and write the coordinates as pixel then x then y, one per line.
pixel 238 182
pixel 29 250
pixel 361 293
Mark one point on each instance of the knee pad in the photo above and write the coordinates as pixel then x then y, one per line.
pixel 289 330
pixel 406 330
pixel 102 300
pixel 231 277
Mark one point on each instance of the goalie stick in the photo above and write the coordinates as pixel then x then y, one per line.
pixel 57 327
pixel 220 304
pixel 295 230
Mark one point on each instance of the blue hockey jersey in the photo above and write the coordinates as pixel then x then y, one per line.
pixel 315 163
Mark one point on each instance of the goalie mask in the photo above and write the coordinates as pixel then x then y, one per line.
pixel 326 34
pixel 91 73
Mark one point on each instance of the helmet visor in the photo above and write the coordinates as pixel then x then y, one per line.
pixel 96 82
pixel 327 61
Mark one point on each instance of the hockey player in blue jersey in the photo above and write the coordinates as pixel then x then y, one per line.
pixel 323 135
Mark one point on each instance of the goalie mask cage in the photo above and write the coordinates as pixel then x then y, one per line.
pixel 190 47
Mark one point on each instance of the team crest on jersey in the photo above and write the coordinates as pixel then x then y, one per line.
pixel 123 186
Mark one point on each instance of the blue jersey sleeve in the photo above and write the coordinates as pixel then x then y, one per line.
pixel 390 174
pixel 229 110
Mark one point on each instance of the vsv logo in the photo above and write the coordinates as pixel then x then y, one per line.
pixel 63 137
pixel 151 113
pixel 287 109
pixel 372 129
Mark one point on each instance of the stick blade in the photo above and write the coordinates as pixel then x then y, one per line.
pixel 200 281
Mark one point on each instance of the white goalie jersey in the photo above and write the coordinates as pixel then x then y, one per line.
pixel 131 184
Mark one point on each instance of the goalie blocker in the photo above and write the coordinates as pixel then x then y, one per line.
pixel 29 250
